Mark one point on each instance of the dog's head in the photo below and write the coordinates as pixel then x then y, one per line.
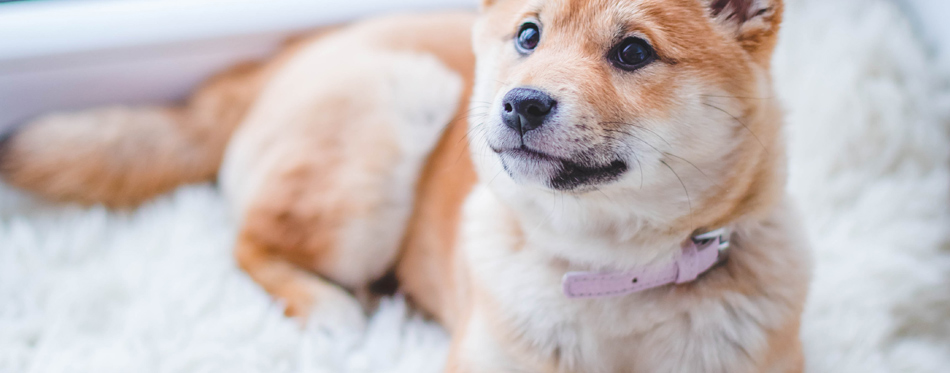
pixel 660 105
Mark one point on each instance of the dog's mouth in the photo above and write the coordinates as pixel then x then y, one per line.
pixel 561 174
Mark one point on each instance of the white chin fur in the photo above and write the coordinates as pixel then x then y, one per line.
pixel 529 171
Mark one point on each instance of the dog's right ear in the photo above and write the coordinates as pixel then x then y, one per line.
pixel 755 23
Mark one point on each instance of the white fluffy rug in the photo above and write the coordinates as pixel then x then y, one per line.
pixel 156 289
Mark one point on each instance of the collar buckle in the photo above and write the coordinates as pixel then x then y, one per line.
pixel 720 237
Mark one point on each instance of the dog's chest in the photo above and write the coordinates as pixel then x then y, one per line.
pixel 606 333
pixel 522 300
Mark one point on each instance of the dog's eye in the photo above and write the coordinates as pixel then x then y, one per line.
pixel 632 54
pixel 528 37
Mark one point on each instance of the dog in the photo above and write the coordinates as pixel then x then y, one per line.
pixel 566 185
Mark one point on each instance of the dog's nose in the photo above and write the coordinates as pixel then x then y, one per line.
pixel 526 109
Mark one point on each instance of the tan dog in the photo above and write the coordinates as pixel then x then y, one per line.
pixel 601 135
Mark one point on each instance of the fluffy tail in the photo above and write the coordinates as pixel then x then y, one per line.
pixel 121 156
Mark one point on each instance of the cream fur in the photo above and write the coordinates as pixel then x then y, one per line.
pixel 408 99
pixel 523 277
pixel 519 237
pixel 877 340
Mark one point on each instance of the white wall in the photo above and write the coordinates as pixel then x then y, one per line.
pixel 63 55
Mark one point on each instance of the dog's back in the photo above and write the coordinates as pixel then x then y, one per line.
pixel 320 152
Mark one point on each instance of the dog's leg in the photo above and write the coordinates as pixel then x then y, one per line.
pixel 323 172
pixel 478 347
pixel 784 354
pixel 303 292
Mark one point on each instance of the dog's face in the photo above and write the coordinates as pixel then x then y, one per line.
pixel 623 97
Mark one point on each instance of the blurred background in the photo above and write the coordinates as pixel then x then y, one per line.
pixel 865 85
pixel 68 54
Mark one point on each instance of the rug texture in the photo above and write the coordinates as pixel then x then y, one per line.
pixel 156 289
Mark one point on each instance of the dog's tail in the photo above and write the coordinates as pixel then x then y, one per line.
pixel 121 156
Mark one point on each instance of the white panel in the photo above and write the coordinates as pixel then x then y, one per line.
pixel 66 55
pixel 49 27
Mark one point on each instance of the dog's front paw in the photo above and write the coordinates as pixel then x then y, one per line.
pixel 328 308
pixel 316 303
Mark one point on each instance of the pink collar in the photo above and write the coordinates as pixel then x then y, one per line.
pixel 700 254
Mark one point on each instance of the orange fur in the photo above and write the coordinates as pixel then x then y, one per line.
pixel 306 202
pixel 336 183
pixel 427 269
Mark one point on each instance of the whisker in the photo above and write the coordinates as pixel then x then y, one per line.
pixel 640 166
pixel 496 175
pixel 740 123
pixel 551 215
pixel 689 201
pixel 694 166
pixel 471 131
pixel 605 195
pixel 740 97
pixel 666 153
pixel 642 128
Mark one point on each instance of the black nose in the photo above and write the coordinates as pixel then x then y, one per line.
pixel 526 109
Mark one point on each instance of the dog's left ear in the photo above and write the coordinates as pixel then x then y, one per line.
pixel 754 22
